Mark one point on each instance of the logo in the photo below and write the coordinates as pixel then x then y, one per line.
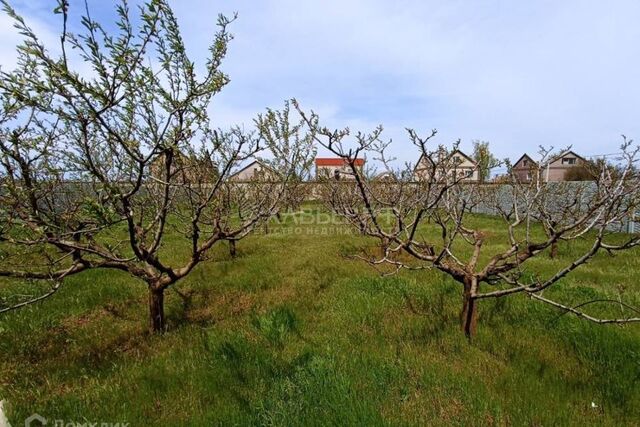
pixel 4 422
pixel 35 420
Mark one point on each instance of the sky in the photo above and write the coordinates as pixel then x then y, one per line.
pixel 518 74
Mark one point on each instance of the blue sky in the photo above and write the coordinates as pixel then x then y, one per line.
pixel 516 73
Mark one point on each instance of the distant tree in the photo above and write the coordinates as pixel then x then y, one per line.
pixel 502 179
pixel 580 173
pixel 402 215
pixel 485 159
pixel 99 167
pixel 591 169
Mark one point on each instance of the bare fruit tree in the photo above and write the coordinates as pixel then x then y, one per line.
pixel 108 158
pixel 423 217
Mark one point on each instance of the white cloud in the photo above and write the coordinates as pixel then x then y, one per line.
pixel 11 38
pixel 518 74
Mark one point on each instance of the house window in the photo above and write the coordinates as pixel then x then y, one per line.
pixel 525 162
pixel 569 161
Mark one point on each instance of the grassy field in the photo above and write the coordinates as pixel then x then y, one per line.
pixel 293 332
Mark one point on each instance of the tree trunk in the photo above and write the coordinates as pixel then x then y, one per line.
pixel 554 244
pixel 232 248
pixel 554 250
pixel 156 311
pixel 469 315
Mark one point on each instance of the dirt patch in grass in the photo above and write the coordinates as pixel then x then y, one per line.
pixel 219 307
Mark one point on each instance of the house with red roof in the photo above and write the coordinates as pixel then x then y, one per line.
pixel 336 167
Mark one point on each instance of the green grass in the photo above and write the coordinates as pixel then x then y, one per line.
pixel 293 333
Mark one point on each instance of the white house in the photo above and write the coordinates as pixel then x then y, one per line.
pixel 338 168
pixel 254 170
pixel 456 164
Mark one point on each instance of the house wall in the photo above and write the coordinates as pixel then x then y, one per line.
pixel 555 174
pixel 329 171
pixel 524 170
pixel 422 169
pixel 555 171
pixel 464 167
pixel 523 174
pixel 250 172
pixel 467 167
pixel 475 175
pixel 550 174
